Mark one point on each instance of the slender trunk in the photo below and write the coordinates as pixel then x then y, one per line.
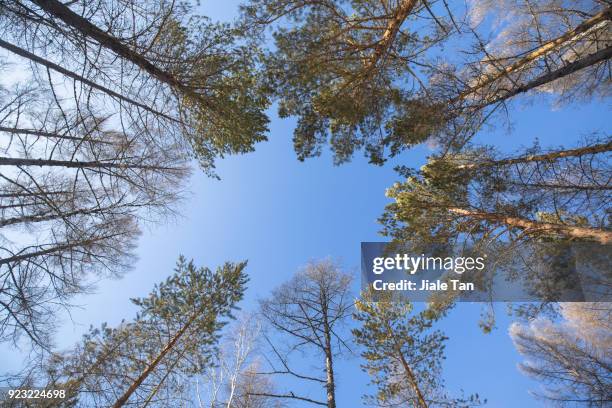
pixel 161 382
pixel 402 12
pixel 8 161
pixel 149 369
pixel 50 65
pixel 410 377
pixel 559 154
pixel 58 248
pixel 599 56
pixel 72 19
pixel 36 194
pixel 412 381
pixel 547 47
pixel 599 235
pixel 50 135
pixel 330 385
pixel 50 217
pixel 577 187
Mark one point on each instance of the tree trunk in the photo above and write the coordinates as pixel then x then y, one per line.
pixel 37 194
pixel 50 65
pixel 410 377
pixel 412 381
pixel 402 12
pixel 72 19
pixel 149 369
pixel 58 248
pixel 584 27
pixel 330 385
pixel 9 161
pixel 559 154
pixel 50 135
pixel 599 235
pixel 599 56
pixel 49 217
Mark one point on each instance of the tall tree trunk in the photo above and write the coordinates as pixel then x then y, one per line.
pixel 599 235
pixel 67 246
pixel 577 187
pixel 50 135
pixel 37 194
pixel 412 380
pixel 551 156
pixel 149 369
pixel 72 19
pixel 330 385
pixel 9 161
pixel 50 217
pixel 50 65
pixel 599 56
pixel 410 377
pixel 541 51
pixel 402 12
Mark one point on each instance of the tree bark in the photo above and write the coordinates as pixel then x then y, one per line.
pixel 599 235
pixel 330 385
pixel 58 248
pixel 36 193
pixel 410 377
pixel 49 217
pixel 402 12
pixel 599 56
pixel 559 154
pixel 50 135
pixel 149 369
pixel 582 28
pixel 9 161
pixel 412 380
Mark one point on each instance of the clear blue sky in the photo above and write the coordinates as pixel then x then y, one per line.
pixel 279 213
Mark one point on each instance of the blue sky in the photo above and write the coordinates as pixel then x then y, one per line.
pixel 279 213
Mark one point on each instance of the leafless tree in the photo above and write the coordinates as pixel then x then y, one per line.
pixel 73 192
pixel 235 380
pixel 571 357
pixel 309 312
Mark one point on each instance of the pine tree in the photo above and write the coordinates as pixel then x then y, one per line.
pixel 474 195
pixel 402 354
pixel 351 71
pixel 147 360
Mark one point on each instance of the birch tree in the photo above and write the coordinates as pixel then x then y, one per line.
pixel 235 380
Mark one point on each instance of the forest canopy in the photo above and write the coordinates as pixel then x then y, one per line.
pixel 108 107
